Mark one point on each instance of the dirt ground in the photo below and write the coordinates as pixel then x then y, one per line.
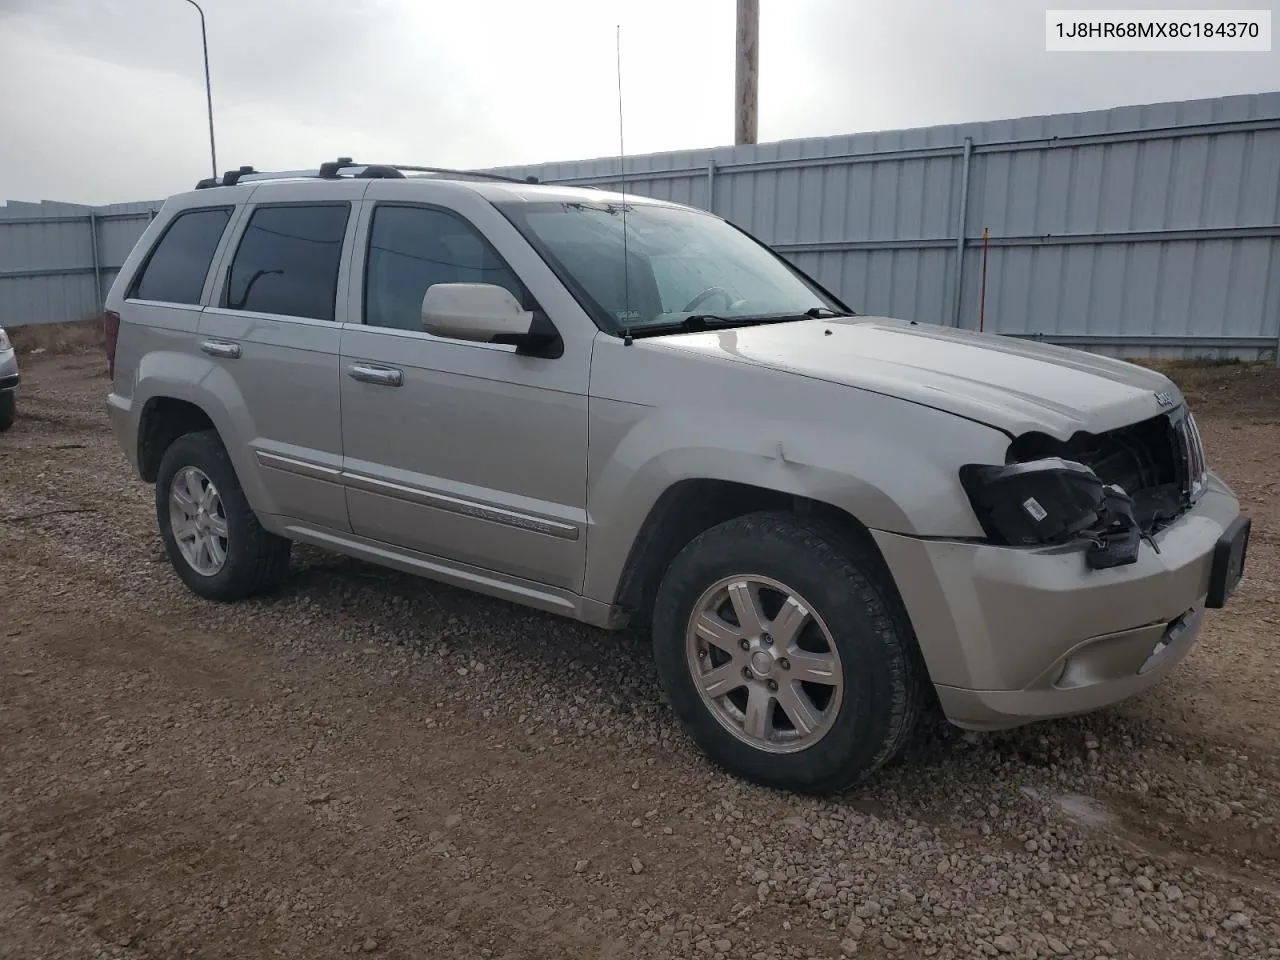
pixel 369 764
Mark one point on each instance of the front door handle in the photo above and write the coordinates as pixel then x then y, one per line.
pixel 382 376
pixel 220 348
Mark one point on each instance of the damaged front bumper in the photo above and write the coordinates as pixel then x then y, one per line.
pixel 1014 634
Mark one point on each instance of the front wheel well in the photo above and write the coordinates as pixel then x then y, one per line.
pixel 164 420
pixel 691 507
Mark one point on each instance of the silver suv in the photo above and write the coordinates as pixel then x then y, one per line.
pixel 628 411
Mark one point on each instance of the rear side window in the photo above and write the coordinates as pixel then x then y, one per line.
pixel 412 248
pixel 178 264
pixel 287 262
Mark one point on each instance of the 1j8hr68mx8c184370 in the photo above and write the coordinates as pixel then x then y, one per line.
pixel 824 519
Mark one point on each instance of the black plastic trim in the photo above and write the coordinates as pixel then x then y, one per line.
pixel 1220 590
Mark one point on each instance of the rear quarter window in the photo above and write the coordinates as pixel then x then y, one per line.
pixel 175 270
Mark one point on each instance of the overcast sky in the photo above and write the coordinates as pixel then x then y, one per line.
pixel 103 100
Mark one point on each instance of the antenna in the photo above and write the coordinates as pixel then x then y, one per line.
pixel 622 169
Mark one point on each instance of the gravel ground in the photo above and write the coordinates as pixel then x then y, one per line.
pixel 370 764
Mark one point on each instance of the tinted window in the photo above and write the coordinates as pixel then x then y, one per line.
pixel 287 262
pixel 176 269
pixel 411 248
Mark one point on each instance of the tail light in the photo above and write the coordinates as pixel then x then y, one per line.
pixel 110 334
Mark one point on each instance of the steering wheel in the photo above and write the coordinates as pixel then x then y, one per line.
pixel 706 295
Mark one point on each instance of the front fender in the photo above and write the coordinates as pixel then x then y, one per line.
pixel 890 464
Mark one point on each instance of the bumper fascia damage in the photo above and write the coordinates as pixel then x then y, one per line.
pixel 1016 634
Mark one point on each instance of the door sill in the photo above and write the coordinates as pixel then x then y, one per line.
pixel 515 589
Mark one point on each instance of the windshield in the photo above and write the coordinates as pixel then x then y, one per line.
pixel 679 263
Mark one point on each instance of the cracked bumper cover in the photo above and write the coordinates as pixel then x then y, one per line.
pixel 1013 635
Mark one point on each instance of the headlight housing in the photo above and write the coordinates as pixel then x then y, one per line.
pixel 1043 501
pixel 4 340
pixel 1051 501
pixel 1191 447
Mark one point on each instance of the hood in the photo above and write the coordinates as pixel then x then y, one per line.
pixel 1014 385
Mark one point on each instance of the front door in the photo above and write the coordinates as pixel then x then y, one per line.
pixel 465 451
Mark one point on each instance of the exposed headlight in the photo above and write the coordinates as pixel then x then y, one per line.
pixel 1050 501
pixel 1043 501
pixel 4 340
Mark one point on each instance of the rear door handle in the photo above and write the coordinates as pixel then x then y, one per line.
pixel 220 348
pixel 382 376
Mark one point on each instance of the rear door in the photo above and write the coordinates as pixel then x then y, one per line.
pixel 273 330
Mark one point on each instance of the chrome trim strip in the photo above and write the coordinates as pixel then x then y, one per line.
pixel 273 317
pixel 460 575
pixel 515 589
pixel 422 336
pixel 467 508
pixel 440 501
pixel 303 468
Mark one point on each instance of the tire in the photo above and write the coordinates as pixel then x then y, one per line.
pixel 8 409
pixel 252 560
pixel 875 687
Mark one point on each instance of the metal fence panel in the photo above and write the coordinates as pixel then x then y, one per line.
pixel 1125 229
pixel 1136 230
pixel 57 260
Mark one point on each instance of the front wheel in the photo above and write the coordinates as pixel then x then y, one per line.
pixel 784 654
pixel 210 533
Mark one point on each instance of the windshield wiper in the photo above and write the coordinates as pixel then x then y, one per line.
pixel 705 321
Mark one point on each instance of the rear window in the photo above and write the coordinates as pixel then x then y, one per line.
pixel 287 262
pixel 178 264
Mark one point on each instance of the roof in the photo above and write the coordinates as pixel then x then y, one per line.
pixel 493 187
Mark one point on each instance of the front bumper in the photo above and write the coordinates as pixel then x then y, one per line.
pixel 1015 635
pixel 9 375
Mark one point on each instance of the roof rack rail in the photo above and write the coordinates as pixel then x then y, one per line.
pixel 228 179
pixel 482 174
pixel 334 169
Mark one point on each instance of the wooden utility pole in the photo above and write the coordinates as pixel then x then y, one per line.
pixel 747 74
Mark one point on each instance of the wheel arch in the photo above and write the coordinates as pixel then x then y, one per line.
pixel 178 393
pixel 163 420
pixel 689 507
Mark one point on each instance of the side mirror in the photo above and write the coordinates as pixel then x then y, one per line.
pixel 483 312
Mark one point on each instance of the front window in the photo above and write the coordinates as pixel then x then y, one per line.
pixel 412 248
pixel 675 264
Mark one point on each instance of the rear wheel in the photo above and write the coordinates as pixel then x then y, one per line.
pixel 8 409
pixel 210 533
pixel 785 655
